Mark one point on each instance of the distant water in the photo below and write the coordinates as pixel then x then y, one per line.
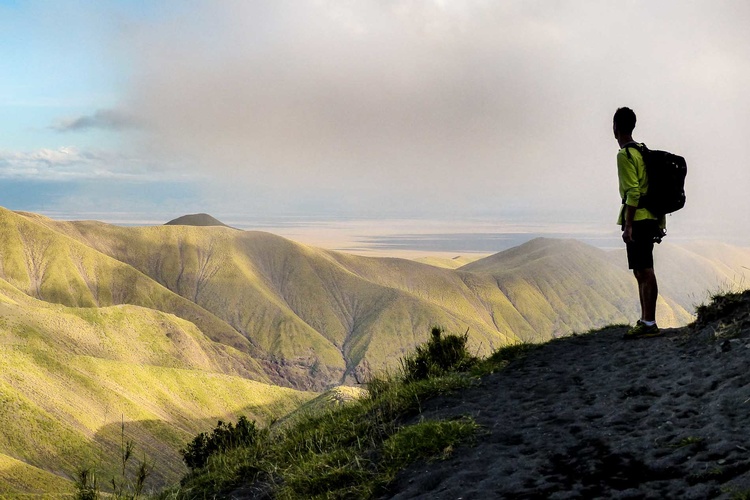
pixel 473 242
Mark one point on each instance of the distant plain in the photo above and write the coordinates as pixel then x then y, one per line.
pixel 415 237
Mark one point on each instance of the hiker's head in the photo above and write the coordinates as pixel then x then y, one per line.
pixel 624 121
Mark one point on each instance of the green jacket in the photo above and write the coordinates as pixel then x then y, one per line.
pixel 633 178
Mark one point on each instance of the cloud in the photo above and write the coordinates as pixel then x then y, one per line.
pixel 463 106
pixel 415 97
pixel 106 119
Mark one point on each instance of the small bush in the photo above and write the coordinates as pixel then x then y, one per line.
pixel 440 355
pixel 225 436
pixel 721 306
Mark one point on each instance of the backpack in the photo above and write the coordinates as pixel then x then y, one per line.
pixel 666 180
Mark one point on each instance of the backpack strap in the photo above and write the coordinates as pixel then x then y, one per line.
pixel 639 147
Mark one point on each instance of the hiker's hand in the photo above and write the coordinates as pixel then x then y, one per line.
pixel 627 234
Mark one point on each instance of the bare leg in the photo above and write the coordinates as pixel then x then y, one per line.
pixel 648 291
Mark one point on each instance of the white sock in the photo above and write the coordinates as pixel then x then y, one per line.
pixel 648 323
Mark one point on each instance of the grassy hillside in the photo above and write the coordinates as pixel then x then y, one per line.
pixel 69 376
pixel 302 305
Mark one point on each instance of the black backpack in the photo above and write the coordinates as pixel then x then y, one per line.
pixel 666 180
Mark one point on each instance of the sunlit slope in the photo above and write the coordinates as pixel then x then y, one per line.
pixel 19 478
pixel 43 262
pixel 448 263
pixel 560 286
pixel 69 376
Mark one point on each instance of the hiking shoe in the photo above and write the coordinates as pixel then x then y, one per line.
pixel 641 331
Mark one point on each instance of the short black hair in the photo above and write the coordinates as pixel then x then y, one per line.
pixel 624 120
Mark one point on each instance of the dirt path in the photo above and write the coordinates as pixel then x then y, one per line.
pixel 594 416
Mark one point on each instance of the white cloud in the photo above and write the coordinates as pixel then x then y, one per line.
pixel 73 164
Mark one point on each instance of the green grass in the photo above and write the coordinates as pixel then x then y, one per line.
pixel 502 357
pixel 353 450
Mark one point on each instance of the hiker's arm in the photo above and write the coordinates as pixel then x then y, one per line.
pixel 630 188
pixel 627 227
pixel 631 193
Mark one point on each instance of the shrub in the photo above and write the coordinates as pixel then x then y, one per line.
pixel 225 436
pixel 439 355
pixel 129 485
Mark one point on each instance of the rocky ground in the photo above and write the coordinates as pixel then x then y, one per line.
pixel 596 416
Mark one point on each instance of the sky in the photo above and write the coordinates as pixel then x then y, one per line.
pixel 492 115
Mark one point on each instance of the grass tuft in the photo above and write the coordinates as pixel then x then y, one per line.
pixel 427 439
pixel 440 355
pixel 503 357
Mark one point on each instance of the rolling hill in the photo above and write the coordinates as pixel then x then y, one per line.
pixel 172 327
pixel 196 220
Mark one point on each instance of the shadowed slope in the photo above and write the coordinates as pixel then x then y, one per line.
pixel 561 285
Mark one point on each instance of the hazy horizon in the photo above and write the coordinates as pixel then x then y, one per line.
pixel 411 237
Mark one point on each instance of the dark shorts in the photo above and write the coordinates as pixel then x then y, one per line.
pixel 641 249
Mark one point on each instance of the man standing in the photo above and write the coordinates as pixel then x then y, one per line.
pixel 640 227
